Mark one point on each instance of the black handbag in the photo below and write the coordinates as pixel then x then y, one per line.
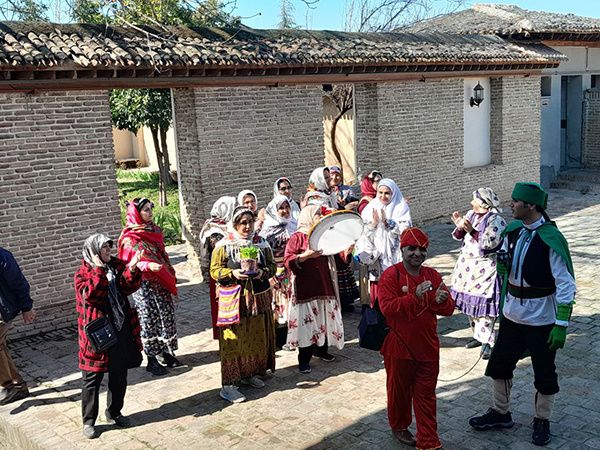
pixel 372 329
pixel 100 332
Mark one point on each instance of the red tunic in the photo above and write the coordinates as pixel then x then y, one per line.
pixel 413 321
pixel 93 281
pixel 313 278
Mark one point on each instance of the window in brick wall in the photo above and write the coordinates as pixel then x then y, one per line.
pixel 546 86
pixel 476 125
pixel 596 81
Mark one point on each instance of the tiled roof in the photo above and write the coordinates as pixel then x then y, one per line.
pixel 79 46
pixel 508 20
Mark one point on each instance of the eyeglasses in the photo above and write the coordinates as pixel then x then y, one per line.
pixel 285 188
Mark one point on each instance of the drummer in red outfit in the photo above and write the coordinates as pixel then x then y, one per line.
pixel 411 297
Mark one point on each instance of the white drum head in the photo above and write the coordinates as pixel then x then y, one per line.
pixel 335 232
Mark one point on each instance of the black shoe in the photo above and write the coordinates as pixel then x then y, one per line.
pixel 541 431
pixel 154 367
pixel 120 421
pixel 348 308
pixel 89 431
pixel 13 394
pixel 170 360
pixel 473 343
pixel 492 419
pixel 328 357
pixel 486 351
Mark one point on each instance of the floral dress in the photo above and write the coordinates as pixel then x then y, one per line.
pixel 475 286
pixel 315 316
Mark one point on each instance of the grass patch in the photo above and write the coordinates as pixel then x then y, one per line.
pixel 135 183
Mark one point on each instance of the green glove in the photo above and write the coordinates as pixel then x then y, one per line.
pixel 501 269
pixel 557 337
pixel 564 311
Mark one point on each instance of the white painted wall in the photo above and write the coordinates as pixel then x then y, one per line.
pixel 140 146
pixel 550 155
pixel 476 125
pixel 581 61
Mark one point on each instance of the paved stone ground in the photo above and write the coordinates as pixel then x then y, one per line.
pixel 339 405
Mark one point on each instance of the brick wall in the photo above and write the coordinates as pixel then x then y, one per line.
pixel 591 129
pixel 367 130
pixel 58 186
pixel 420 141
pixel 231 139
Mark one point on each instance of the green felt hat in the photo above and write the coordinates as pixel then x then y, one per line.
pixel 531 193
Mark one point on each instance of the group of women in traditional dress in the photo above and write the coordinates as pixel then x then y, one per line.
pixel 291 298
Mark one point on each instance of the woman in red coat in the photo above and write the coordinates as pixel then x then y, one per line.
pixel 102 285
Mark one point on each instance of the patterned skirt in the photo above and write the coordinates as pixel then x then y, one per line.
pixel 347 283
pixel 248 348
pixel 157 318
pixel 316 322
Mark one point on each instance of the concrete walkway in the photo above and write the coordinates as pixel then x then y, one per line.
pixel 339 405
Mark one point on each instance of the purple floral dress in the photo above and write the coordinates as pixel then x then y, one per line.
pixel 475 286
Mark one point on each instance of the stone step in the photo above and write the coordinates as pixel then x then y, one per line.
pixel 579 175
pixel 580 186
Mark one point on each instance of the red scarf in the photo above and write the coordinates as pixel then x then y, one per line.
pixel 138 235
pixel 366 187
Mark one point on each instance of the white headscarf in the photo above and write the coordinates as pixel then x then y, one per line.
pixel 397 209
pixel 241 195
pixel 233 241
pixel 221 213
pixel 487 198
pixel 386 238
pixel 319 192
pixel 276 227
pixel 293 205
pixel 223 208
pixel 317 181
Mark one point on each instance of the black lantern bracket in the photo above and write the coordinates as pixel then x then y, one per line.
pixel 477 95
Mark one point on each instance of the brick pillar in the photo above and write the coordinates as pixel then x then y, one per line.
pixel 58 183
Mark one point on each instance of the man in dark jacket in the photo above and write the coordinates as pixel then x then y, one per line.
pixel 14 299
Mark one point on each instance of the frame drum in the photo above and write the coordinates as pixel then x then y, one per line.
pixel 335 232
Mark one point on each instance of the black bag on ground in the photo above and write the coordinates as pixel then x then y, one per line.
pixel 101 334
pixel 372 329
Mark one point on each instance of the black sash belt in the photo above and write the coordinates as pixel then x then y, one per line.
pixel 530 292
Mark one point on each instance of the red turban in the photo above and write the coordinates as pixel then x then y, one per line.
pixel 414 236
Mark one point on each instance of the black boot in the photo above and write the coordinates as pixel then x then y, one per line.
pixel 170 360
pixel 154 366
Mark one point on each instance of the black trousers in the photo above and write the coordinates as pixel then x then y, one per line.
pixel 117 385
pixel 512 342
pixel 306 353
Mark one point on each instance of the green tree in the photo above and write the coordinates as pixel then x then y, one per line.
pixel 133 108
pixel 24 10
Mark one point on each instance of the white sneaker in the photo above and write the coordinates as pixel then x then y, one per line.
pixel 232 394
pixel 254 381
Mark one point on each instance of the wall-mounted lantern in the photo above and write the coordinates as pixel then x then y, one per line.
pixel 477 95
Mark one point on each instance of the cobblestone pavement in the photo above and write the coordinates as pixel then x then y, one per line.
pixel 340 404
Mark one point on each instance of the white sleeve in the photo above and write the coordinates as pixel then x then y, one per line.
pixel 565 283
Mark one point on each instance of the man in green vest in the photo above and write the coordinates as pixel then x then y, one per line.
pixel 539 288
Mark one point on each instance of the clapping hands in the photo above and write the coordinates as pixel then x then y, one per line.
pixel 462 223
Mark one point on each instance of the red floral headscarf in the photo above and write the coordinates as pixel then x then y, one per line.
pixel 139 235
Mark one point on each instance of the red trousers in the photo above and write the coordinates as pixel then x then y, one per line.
pixel 412 383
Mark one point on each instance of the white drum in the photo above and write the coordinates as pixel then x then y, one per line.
pixel 335 232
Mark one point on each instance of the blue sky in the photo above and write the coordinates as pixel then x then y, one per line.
pixel 328 14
